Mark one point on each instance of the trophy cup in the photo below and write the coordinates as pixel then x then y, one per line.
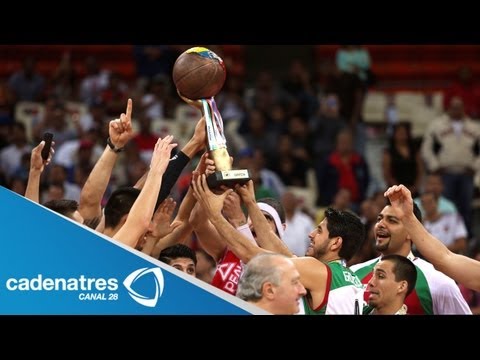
pixel 199 75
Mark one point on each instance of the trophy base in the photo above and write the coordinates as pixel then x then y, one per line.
pixel 228 178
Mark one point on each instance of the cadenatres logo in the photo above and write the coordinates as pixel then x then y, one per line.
pixel 138 274
pixel 95 289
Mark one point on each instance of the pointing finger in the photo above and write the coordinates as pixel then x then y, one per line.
pixel 129 108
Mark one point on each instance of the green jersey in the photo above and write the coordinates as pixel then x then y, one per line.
pixel 344 289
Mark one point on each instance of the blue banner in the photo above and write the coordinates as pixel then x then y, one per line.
pixel 52 265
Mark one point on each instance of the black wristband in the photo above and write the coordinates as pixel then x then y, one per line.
pixel 114 149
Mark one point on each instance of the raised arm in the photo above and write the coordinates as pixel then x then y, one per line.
pixel 181 224
pixel 212 205
pixel 37 165
pixel 138 220
pixel 209 238
pixel 460 268
pixel 120 132
pixel 266 237
pixel 178 163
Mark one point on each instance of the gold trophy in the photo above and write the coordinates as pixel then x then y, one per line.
pixel 199 75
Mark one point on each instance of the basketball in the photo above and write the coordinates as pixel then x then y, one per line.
pixel 199 73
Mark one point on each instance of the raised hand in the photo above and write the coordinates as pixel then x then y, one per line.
pixel 205 165
pixel 233 211
pixel 210 202
pixel 37 165
pixel 400 199
pixel 36 161
pixel 120 130
pixel 161 154
pixel 246 191
pixel 160 225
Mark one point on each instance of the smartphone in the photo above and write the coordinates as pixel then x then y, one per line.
pixel 47 137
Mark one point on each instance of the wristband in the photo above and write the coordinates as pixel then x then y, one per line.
pixel 112 147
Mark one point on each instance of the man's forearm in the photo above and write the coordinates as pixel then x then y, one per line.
pixel 186 206
pixel 172 173
pixel 177 236
pixel 141 212
pixel 180 233
pixel 192 147
pixel 96 184
pixel 236 241
pixel 426 243
pixel 174 169
pixel 460 268
pixel 266 238
pixel 33 186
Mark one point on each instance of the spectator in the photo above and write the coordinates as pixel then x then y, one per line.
pixel 94 82
pixel 448 228
pixel 467 89
pixel 11 155
pixel 402 163
pixel 154 59
pixel 326 126
pixel 26 83
pixel 434 184
pixel 451 147
pixel 157 103
pixel 298 226
pixel 343 168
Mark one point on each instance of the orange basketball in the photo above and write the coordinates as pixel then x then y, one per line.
pixel 199 73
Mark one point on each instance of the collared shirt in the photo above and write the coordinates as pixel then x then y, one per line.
pixel 401 311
